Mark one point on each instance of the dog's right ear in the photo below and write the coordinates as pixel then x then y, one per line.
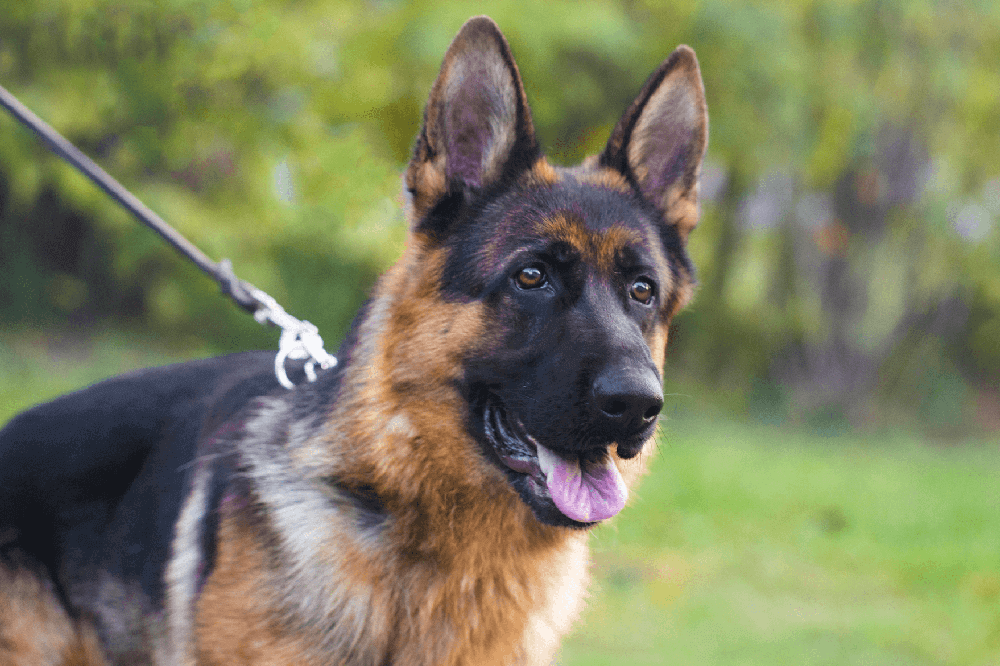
pixel 659 142
pixel 477 127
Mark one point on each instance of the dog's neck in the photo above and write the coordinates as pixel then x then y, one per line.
pixel 404 418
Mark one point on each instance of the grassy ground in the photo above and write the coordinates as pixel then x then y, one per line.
pixel 37 367
pixel 750 545
pixel 745 544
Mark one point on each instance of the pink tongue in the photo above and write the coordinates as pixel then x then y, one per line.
pixel 586 497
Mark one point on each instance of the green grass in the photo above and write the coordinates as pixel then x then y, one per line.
pixel 35 367
pixel 745 544
pixel 751 545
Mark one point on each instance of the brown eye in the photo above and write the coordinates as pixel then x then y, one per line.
pixel 531 277
pixel 642 291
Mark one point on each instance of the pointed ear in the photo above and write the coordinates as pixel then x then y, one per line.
pixel 660 140
pixel 477 126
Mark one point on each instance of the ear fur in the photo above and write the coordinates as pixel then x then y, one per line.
pixel 477 127
pixel 659 142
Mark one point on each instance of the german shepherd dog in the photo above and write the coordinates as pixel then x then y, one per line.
pixel 426 502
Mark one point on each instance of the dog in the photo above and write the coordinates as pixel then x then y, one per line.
pixel 428 500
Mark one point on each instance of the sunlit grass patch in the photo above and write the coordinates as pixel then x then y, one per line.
pixel 35 367
pixel 751 545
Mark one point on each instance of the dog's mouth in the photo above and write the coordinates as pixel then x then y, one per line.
pixel 585 488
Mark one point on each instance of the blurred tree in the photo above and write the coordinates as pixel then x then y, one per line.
pixel 848 251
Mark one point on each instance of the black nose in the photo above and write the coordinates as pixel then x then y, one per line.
pixel 627 399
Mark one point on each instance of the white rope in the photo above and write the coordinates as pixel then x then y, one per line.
pixel 299 340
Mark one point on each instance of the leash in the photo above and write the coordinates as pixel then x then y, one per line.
pixel 299 339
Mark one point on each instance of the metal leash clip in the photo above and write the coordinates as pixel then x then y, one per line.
pixel 299 339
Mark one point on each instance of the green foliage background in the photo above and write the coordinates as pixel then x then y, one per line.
pixel 848 255
pixel 848 252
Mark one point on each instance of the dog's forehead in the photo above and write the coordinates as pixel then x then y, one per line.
pixel 602 246
pixel 597 222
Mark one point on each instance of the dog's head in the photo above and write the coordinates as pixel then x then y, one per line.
pixel 575 273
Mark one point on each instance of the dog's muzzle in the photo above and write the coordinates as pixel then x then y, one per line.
pixel 583 492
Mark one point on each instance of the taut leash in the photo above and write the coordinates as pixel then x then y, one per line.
pixel 299 339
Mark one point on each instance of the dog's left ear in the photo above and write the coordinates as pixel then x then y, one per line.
pixel 477 127
pixel 659 142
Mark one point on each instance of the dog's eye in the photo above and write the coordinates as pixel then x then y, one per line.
pixel 531 277
pixel 642 291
